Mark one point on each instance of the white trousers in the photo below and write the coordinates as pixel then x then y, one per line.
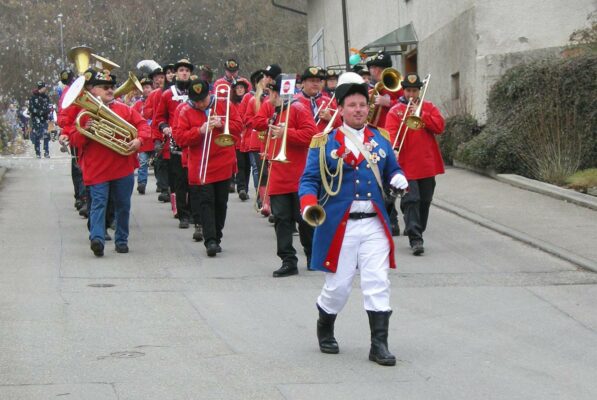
pixel 365 248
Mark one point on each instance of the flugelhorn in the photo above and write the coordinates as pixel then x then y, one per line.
pixel 315 215
pixel 107 127
pixel 414 121
pixel 131 83
pixel 390 81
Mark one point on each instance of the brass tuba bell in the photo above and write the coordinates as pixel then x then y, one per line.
pixel 131 83
pixel 390 80
pixel 80 56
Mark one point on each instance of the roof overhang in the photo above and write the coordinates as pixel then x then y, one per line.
pixel 393 42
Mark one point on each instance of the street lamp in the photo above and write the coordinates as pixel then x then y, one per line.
pixel 61 41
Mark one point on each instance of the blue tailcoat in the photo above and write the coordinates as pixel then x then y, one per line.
pixel 358 183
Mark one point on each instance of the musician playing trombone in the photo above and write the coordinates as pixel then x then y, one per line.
pixel 313 98
pixel 200 121
pixel 346 171
pixel 285 118
pixel 418 154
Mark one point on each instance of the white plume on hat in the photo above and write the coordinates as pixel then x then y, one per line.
pixel 350 78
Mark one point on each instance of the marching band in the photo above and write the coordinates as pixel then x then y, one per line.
pixel 330 159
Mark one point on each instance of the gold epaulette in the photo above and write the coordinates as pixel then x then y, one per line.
pixel 382 131
pixel 318 140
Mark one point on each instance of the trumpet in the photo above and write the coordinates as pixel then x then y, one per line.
pixel 106 127
pixel 414 121
pixel 390 80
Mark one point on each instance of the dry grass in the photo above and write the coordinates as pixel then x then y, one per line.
pixel 583 180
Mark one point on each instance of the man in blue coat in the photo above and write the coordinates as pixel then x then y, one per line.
pixel 345 172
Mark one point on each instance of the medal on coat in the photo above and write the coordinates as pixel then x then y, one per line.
pixel 373 143
pixel 374 158
pixel 334 154
pixel 382 153
pixel 369 146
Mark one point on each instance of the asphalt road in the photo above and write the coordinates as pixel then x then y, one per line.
pixel 479 316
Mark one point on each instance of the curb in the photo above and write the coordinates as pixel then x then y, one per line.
pixel 580 199
pixel 554 191
pixel 2 173
pixel 563 254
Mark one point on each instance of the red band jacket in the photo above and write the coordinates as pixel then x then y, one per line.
pixel 420 156
pixel 222 160
pixel 284 177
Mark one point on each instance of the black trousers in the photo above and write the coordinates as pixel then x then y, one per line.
pixel 77 176
pixel 160 167
pixel 286 208
pixel 415 206
pixel 244 169
pixel 179 184
pixel 210 203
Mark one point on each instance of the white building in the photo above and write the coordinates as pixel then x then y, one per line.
pixel 466 45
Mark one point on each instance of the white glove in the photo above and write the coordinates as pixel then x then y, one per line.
pixel 399 182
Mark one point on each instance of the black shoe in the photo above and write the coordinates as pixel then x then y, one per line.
pixel 378 323
pixel 141 188
pixel 183 224
pixel 46 155
pixel 231 188
pixel 122 248
pixel 164 197
pixel 242 194
pixel 79 204
pixel 417 247
pixel 97 247
pixel 107 237
pixel 83 212
pixel 285 270
pixel 271 219
pixel 218 248
pixel 38 155
pixel 325 332
pixel 212 249
pixel 198 234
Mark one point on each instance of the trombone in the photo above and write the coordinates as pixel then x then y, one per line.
pixel 390 80
pixel 414 121
pixel 224 139
pixel 327 107
pixel 281 157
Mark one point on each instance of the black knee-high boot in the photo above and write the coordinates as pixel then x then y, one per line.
pixel 378 322
pixel 325 332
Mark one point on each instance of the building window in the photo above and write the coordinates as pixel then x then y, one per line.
pixel 456 86
pixel 317 49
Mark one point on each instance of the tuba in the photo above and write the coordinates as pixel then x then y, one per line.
pixel 80 56
pixel 390 80
pixel 107 127
pixel 131 83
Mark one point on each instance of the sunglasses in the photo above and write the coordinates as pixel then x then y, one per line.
pixel 106 87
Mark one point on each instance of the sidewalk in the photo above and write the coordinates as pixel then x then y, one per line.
pixel 558 227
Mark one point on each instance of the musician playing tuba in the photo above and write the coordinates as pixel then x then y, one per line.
pixel 292 124
pixel 346 170
pixel 419 156
pixel 105 172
